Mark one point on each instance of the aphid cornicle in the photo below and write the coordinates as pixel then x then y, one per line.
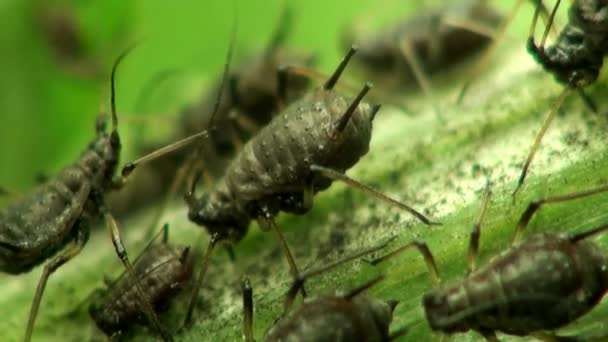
pixel 163 271
pixel 541 283
pixel 251 100
pixel 575 59
pixel 53 221
pixel 427 43
pixel 278 169
pixel 342 316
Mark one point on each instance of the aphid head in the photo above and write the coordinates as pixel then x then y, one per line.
pixel 218 216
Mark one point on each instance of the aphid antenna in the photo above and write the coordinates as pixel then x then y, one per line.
pixel 333 79
pixel 282 30
pixel 305 275
pixel 338 176
pixel 247 309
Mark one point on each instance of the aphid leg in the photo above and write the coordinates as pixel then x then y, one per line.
pixel 474 240
pixel 549 23
pixel 201 276
pixel 340 124
pixel 588 101
pixel 281 32
pixel 363 287
pixel 121 251
pixel 406 49
pixel 485 58
pixel 247 310
pixel 338 176
pixel 537 204
pixel 64 256
pixel 524 171
pixel 265 220
pixel 302 277
pixel 426 254
pixel 333 79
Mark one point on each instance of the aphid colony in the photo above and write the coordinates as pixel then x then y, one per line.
pixel 273 141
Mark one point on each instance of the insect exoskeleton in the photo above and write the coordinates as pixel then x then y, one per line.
pixel 541 283
pixel 163 271
pixel 575 58
pixel 349 315
pixel 427 43
pixel 299 153
pixel 53 221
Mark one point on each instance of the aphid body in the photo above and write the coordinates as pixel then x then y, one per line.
pixel 543 283
pixel 272 173
pixel 435 43
pixel 163 271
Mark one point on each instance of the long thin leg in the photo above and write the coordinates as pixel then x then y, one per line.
pixel 535 205
pixel 335 175
pixel 589 233
pixel 549 24
pixel 363 287
pixel 302 277
pixel 474 240
pixel 247 310
pixel 539 138
pixel 588 101
pixel 285 248
pixel 426 254
pixel 201 276
pixel 66 255
pixel 406 49
pixel 121 251
pixel 483 60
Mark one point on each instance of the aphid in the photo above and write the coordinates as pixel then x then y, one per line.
pixel 251 102
pixel 426 44
pixel 53 221
pixel 575 59
pixel 342 316
pixel 541 283
pixel 163 271
pixel 278 169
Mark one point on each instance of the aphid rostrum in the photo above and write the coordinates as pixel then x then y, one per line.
pixel 575 58
pixel 539 284
pixel 299 153
pixel 427 43
pixel 53 221
pixel 250 101
pixel 341 316
pixel 162 269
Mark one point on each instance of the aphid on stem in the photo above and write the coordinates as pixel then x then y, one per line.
pixel 275 170
pixel 575 59
pixel 341 316
pixel 541 283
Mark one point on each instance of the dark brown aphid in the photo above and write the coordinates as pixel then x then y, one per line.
pixel 342 316
pixel 163 271
pixel 542 283
pixel 278 169
pixel 251 100
pixel 575 59
pixel 53 221
pixel 63 33
pixel 428 43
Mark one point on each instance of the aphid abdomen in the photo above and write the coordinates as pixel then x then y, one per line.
pixel 162 271
pixel 277 161
pixel 41 223
pixel 541 284
pixel 334 319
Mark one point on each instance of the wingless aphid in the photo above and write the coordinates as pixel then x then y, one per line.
pixel 53 221
pixel 163 271
pixel 575 59
pixel 277 170
pixel 427 43
pixel 250 102
pixel 541 283
pixel 342 316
